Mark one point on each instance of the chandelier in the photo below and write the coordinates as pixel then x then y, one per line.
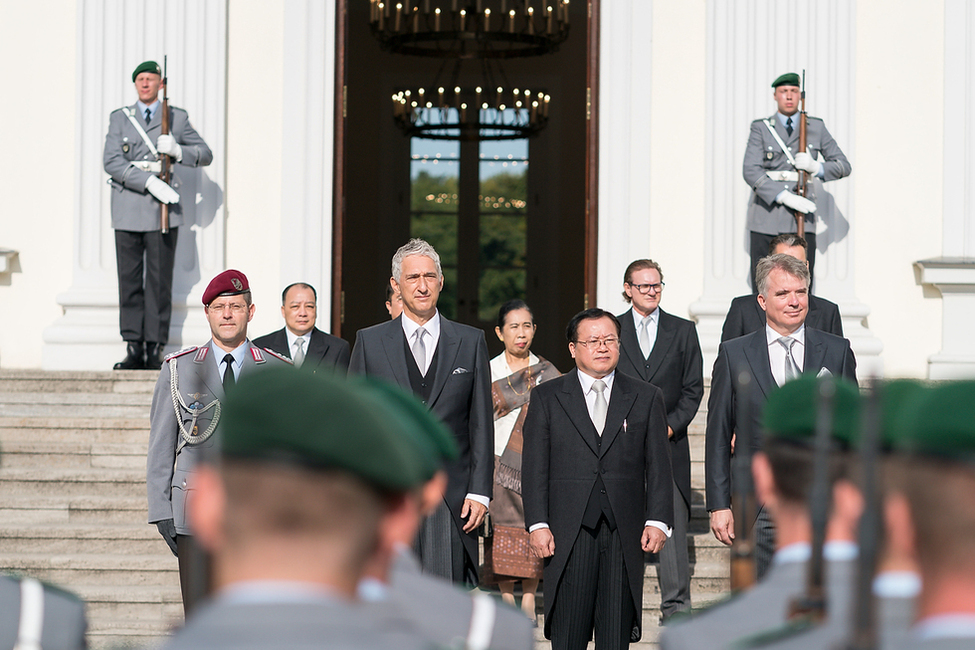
pixel 470 114
pixel 469 29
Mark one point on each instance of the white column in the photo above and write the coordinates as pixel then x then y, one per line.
pixel 750 43
pixel 953 274
pixel 307 167
pixel 114 36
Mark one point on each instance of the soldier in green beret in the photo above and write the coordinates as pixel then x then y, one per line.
pixel 783 472
pixel 144 254
pixel 930 513
pixel 771 166
pixel 310 484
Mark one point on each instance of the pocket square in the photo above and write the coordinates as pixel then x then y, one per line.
pixel 824 372
pixel 459 371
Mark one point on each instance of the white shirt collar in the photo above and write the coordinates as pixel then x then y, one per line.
pixel 588 380
pixel 637 318
pixel 292 337
pixel 432 327
pixel 277 591
pixel 945 626
pixel 771 336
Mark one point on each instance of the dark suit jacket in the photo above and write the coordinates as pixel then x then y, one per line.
pixel 324 350
pixel 675 367
pixel 745 316
pixel 461 398
pixel 563 454
pixel 750 353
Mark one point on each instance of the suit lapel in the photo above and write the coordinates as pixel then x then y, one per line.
pixel 620 402
pixel 756 353
pixel 661 346
pixel 392 339
pixel 318 346
pixel 447 349
pixel 815 354
pixel 631 345
pixel 574 404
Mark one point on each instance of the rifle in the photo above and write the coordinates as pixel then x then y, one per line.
pixel 864 633
pixel 801 187
pixel 167 161
pixel 812 604
pixel 743 497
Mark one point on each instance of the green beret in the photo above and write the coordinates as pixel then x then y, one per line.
pixel 322 422
pixel 791 410
pixel 896 398
pixel 148 66
pixel 940 421
pixel 434 442
pixel 787 79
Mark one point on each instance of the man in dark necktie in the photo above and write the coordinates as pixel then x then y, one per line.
pixel 300 340
pixel 446 365
pixel 185 415
pixel 771 166
pixel 133 148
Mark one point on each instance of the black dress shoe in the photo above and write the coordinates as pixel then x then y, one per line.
pixel 134 357
pixel 154 357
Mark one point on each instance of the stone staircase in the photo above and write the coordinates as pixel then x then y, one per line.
pixel 73 505
pixel 73 498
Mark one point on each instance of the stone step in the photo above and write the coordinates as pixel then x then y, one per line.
pixel 74 539
pixel 130 616
pixel 72 482
pixel 34 453
pixel 73 405
pixel 40 381
pixel 94 431
pixel 70 570
pixel 31 510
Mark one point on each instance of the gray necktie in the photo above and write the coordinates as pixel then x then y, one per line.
pixel 300 352
pixel 645 337
pixel 420 351
pixel 791 369
pixel 600 407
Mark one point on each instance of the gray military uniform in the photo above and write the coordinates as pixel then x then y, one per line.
pixel 763 154
pixel 63 626
pixel 132 207
pixel 170 462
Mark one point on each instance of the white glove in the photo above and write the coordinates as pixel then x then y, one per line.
pixel 804 162
pixel 796 202
pixel 167 144
pixel 162 191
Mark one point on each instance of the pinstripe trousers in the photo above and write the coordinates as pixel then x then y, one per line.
pixel 594 593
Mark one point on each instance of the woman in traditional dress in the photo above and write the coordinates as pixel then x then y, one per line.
pixel 514 372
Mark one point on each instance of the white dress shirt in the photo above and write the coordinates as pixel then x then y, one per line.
pixel 430 340
pixel 776 353
pixel 292 337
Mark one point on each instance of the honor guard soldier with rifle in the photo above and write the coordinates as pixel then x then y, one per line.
pixel 142 142
pixel 186 407
pixel 774 163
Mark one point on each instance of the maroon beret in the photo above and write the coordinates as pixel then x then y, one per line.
pixel 228 283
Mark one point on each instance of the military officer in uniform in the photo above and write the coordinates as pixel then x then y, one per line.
pixel 186 408
pixel 36 615
pixel 133 148
pixel 771 166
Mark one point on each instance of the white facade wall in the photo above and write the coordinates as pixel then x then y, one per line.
pixel 658 156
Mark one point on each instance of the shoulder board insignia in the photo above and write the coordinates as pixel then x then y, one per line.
pixel 201 354
pixel 258 355
pixel 180 353
pixel 275 354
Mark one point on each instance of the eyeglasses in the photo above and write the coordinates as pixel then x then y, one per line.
pixel 234 307
pixel 595 344
pixel 647 288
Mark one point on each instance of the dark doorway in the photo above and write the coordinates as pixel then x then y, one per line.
pixel 532 244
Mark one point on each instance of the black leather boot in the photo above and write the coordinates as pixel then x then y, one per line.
pixel 154 356
pixel 134 357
